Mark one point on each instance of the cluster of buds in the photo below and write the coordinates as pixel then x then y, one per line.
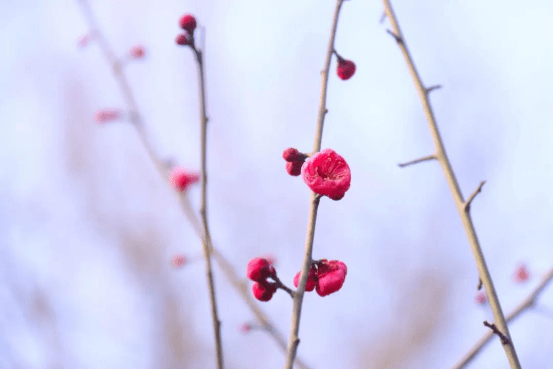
pixel 294 161
pixel 188 23
pixel 181 179
pixel 259 269
pixel 325 276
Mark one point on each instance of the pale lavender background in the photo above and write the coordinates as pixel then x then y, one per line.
pixel 87 228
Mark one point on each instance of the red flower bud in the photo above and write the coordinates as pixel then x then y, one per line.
pixel 183 39
pixel 312 279
pixel 327 173
pixel 294 168
pixel 179 260
pixel 263 291
pixel 244 328
pixel 107 115
pixel 259 270
pixel 331 275
pixel 181 179
pixel 346 69
pixel 480 298
pixel 521 274
pixel 137 51
pixel 188 23
pixel 291 154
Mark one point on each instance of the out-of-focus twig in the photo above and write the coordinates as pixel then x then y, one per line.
pixel 528 303
pixel 462 207
pixel 294 340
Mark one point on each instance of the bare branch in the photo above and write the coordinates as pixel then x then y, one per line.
pixel 473 195
pixel 526 304
pixel 449 174
pixel 416 161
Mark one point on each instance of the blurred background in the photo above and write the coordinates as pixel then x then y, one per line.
pixel 88 228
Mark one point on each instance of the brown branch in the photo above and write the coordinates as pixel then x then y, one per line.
pixel 206 235
pixel 527 303
pixel 504 339
pixel 441 155
pixel 419 160
pixel 294 340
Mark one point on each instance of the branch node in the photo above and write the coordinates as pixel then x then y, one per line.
pixel 398 39
pixel 472 196
pixel 432 88
pixel 504 339
pixel 416 161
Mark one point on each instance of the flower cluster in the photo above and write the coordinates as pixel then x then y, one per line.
pixel 327 173
pixel 188 23
pixel 181 179
pixel 259 269
pixel 325 276
pixel 294 161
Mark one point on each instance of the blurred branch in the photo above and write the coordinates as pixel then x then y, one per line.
pixel 294 340
pixel 527 303
pixel 462 208
pixel 206 235
pixel 230 273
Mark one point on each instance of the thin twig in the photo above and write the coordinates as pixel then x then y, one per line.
pixel 432 88
pixel 163 170
pixel 473 195
pixel 206 235
pixel 419 160
pixel 455 190
pixel 294 340
pixel 526 304
pixel 495 330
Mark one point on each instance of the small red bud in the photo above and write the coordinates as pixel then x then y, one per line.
pixel 83 40
pixel 294 168
pixel 137 51
pixel 291 154
pixel 480 298
pixel 259 270
pixel 188 23
pixel 263 291
pixel 181 179
pixel 245 328
pixel 312 279
pixel 179 260
pixel 346 69
pixel 331 276
pixel 521 274
pixel 107 115
pixel 183 39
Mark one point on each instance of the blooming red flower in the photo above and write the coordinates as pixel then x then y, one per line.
pixel 480 298
pixel 188 23
pixel 259 269
pixel 107 115
pixel 179 260
pixel 331 276
pixel 327 173
pixel 137 51
pixel 312 279
pixel 183 39
pixel 521 274
pixel 263 291
pixel 181 179
pixel 346 69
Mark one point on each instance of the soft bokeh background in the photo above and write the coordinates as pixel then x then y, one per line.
pixel 87 227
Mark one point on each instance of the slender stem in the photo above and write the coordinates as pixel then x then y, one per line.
pixel 455 190
pixel 526 304
pixel 294 340
pixel 206 235
pixel 230 273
